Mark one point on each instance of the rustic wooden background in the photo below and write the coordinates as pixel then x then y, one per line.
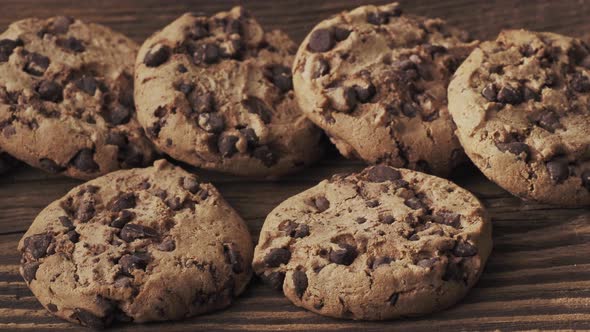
pixel 538 276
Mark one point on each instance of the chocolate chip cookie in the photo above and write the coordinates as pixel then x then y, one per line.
pixel 6 162
pixel 217 93
pixel 66 98
pixel 380 244
pixel 375 80
pixel 522 108
pixel 138 245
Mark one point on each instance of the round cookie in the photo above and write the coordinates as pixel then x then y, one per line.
pixel 66 98
pixel 7 162
pixel 377 245
pixel 522 108
pixel 137 245
pixel 217 93
pixel 375 80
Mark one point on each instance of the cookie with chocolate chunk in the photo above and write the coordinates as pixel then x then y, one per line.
pixel 138 245
pixel 66 98
pixel 216 92
pixel 522 108
pixel 376 81
pixel 7 162
pixel 380 244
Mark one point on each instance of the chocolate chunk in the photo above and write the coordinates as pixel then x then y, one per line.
pixel 117 115
pixel 549 121
pixel 30 271
pixel 124 201
pixel 276 257
pixel 516 148
pixel 227 145
pixel 89 319
pixel 135 261
pixel 203 103
pixel 50 91
pixel 489 92
pixel 530 94
pixel 464 249
pixel 558 170
pixel 294 229
pixel 211 122
pixel 281 77
pixel 382 173
pixel 71 44
pixel 509 95
pixel 7 46
pixel 233 257
pixel 87 84
pixel 264 154
pixel 250 136
pixel 52 307
pixel 73 236
pixel 66 222
pixel 377 18
pixel 300 282
pixel 341 34
pixel 350 98
pixel 191 184
pixel 321 40
pixel 84 161
pixel 61 24
pixel 580 83
pixel 373 203
pixel 274 279
pixel 449 218
pixel 380 260
pixel 50 166
pixel 414 203
pixel 85 210
pixel 256 106
pixel 124 217
pixel 393 299
pixel 185 88
pixel 410 109
pixel 167 245
pixel 36 245
pixel 321 203
pixel 345 255
pixel 157 56
pixel 387 219
pixel 36 64
pixel 131 232
pixel 427 262
pixel 360 220
pixel 118 139
pixel 208 54
pixel 365 94
pixel 323 68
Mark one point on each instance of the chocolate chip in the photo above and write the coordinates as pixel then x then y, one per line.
pixel 89 319
pixel 208 54
pixel 185 88
pixel 233 257
pixel 250 136
pixel 256 106
pixel 167 245
pixel 580 83
pixel 449 218
pixel 36 245
pixel 276 257
pixel 380 260
pixel 489 92
pixel 382 173
pixel 118 139
pixel 61 24
pixel 84 161
pixel 345 255
pixel 157 56
pixel 341 34
pixel 131 232
pixel 300 282
pixel 203 103
pixel 393 299
pixel 464 249
pixel 211 122
pixel 365 94
pixel 414 203
pixel 50 166
pixel 558 170
pixel 124 217
pixel 66 222
pixel 85 211
pixel 321 40
pixel 377 18
pixel 360 220
pixel 294 229
pixel 135 261
pixel 373 203
pixel 30 271
pixel 281 77
pixel 321 203
pixel 410 109
pixel 530 94
pixel 323 68
pixel 386 219
pixel 264 154
pixel 350 98
pixel 51 307
pixel 72 44
pixel 227 145
pixel 124 201
pixel 509 95
pixel 7 46
pixel 414 237
pixel 274 279
pixel 73 236
pixel 547 120
pixel 516 148
pixel 87 84
pixel 36 64
pixel 117 115
pixel 191 184
pixel 50 91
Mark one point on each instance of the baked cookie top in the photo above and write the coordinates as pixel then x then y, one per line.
pixel 137 245
pixel 522 108
pixel 216 92
pixel 376 81
pixel 66 98
pixel 380 244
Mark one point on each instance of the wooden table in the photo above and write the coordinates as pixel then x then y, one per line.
pixel 538 276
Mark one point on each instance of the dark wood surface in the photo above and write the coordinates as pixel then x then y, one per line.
pixel 538 276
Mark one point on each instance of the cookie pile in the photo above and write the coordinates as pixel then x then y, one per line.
pixel 410 94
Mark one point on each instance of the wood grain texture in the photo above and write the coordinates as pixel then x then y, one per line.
pixel 538 276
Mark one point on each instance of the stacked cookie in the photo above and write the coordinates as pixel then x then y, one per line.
pixel 221 93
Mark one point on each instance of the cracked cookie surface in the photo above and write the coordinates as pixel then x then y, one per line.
pixel 66 98
pixel 138 245
pixel 217 93
pixel 521 105
pixel 380 244
pixel 376 81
